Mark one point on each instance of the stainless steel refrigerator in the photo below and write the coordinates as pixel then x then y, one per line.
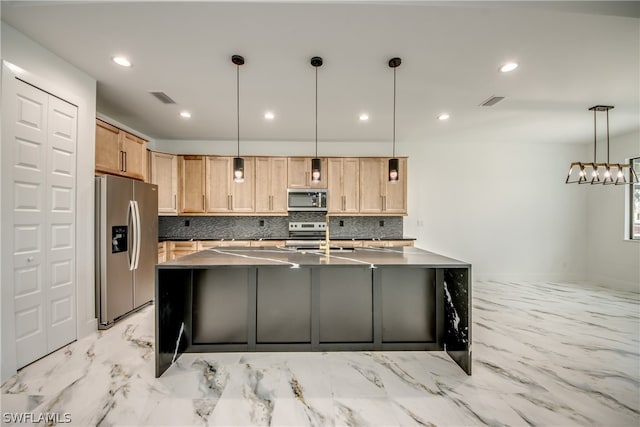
pixel 126 246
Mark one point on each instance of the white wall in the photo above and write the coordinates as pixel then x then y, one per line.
pixel 52 74
pixel 503 207
pixel 613 261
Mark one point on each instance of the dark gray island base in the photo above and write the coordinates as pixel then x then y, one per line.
pixel 280 299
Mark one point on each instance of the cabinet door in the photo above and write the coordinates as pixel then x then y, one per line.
pixel 108 156
pixel 263 184
pixel 395 195
pixel 192 188
pixel 371 185
pixel 164 173
pixel 350 185
pixel 299 173
pixel 278 185
pixel 242 194
pixel 218 184
pixel 133 157
pixel 334 185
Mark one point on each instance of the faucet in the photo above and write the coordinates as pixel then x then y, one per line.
pixel 326 236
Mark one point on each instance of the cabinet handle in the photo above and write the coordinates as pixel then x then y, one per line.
pixel 121 161
pixel 203 207
pixel 344 203
pixel 175 201
pixel 384 203
pixel 124 161
pixel 229 201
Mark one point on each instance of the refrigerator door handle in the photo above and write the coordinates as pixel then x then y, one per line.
pixel 130 235
pixel 138 235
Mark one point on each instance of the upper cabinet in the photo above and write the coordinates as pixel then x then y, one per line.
pixel 343 185
pixel 224 195
pixel 299 173
pixel 205 186
pixel 271 185
pixel 164 173
pixel 377 194
pixel 119 152
pixel 191 170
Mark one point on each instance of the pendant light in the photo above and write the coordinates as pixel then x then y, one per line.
pixel 394 163
pixel 601 173
pixel 316 172
pixel 238 162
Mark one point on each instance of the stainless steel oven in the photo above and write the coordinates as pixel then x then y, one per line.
pixel 307 199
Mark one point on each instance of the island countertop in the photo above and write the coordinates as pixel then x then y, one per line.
pixel 243 257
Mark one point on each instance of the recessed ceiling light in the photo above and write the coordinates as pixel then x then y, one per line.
pixel 508 67
pixel 443 116
pixel 122 61
pixel 364 117
pixel 269 115
pixel 185 114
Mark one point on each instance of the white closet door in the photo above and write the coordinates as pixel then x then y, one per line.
pixel 60 225
pixel 43 217
pixel 29 221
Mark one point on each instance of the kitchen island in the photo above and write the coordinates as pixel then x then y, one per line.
pixel 282 299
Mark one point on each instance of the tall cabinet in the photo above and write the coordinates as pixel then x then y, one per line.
pixel 224 195
pixel 164 173
pixel 271 185
pixel 377 194
pixel 343 182
pixel 191 170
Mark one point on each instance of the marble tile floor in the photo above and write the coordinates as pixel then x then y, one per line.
pixel 545 354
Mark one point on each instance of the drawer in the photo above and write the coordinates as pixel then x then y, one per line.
pixel 162 246
pixel 183 246
pixel 266 243
pixel 399 243
pixel 346 243
pixel 208 244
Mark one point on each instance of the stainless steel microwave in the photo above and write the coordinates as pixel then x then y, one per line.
pixel 311 199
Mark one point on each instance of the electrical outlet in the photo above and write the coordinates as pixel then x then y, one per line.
pixel 187 223
pixel 261 223
pixel 341 223
pixel 382 223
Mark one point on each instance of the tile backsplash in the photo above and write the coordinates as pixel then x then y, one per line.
pixel 256 227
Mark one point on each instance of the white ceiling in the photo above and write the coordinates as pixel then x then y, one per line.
pixel 572 55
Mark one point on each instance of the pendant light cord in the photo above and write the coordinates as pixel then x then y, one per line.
pixel 394 112
pixel 607 138
pixel 316 112
pixel 238 103
pixel 594 136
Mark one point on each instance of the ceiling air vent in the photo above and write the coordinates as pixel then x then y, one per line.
pixel 163 97
pixel 493 100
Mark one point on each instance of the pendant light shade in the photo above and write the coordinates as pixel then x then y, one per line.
pixel 238 162
pixel 601 173
pixel 316 172
pixel 394 170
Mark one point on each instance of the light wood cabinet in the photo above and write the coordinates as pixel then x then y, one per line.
pixel 343 185
pixel 377 194
pixel 119 152
pixel 162 252
pixel 164 173
pixel 299 173
pixel 191 171
pixel 177 250
pixel 224 195
pixel 387 243
pixel 211 244
pixel 271 185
